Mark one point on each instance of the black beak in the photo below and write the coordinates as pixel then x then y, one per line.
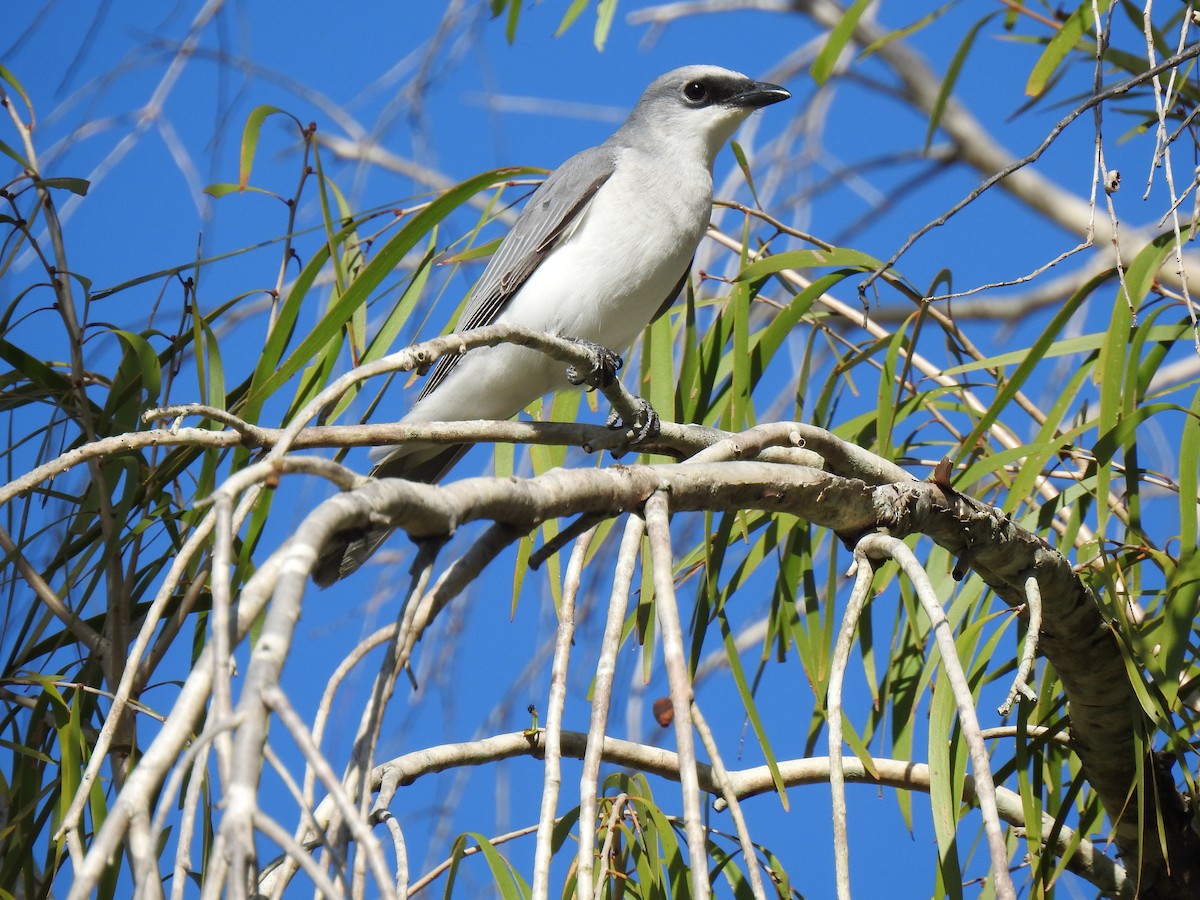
pixel 758 95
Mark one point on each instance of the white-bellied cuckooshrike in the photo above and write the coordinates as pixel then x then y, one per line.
pixel 601 249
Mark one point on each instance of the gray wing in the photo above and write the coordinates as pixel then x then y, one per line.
pixel 547 217
pixel 675 291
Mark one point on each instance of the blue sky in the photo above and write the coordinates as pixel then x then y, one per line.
pixel 144 214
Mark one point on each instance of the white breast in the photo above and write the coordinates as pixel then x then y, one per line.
pixel 603 283
pixel 628 251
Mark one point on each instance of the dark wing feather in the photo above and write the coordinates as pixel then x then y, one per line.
pixel 549 214
pixel 675 291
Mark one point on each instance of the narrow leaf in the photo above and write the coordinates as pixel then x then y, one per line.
pixel 807 259
pixel 250 139
pixel 569 17
pixel 946 88
pixel 74 185
pixel 1067 38
pixel 605 10
pixel 839 36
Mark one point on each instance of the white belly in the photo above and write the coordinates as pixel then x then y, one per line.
pixel 603 284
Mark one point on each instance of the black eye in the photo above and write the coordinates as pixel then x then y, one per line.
pixel 695 91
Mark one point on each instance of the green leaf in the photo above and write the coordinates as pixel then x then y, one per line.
pixel 136 386
pixel 224 188
pixel 808 259
pixel 1173 630
pixel 943 800
pixel 514 14
pixel 457 851
pixel 74 185
pixel 569 17
pixel 687 386
pixel 39 373
pixel 946 88
pixel 7 75
pixel 908 30
pixel 479 251
pixel 741 410
pixel 740 155
pixel 1110 369
pixel 250 139
pixel 1066 347
pixel 212 387
pixel 505 877
pixel 1189 474
pixel 1032 358
pixel 14 155
pixel 743 689
pixel 1067 38
pixel 382 343
pixel 886 415
pixel 658 367
pixel 605 11
pixel 71 743
pixel 857 747
pixel 839 36
pixel 767 341
pixel 272 372
pixel 1139 278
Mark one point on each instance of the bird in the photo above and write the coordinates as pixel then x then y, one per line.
pixel 601 249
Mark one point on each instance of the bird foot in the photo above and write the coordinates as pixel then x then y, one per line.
pixel 645 425
pixel 604 368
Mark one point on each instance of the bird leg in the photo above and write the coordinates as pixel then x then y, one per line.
pixel 605 365
pixel 644 424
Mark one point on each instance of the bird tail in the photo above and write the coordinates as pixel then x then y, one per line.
pixel 428 463
pixel 348 550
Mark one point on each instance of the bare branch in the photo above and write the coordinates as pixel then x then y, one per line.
pixel 879 546
pixel 721 779
pixel 589 779
pixel 552 780
pixel 863 574
pixel 1020 683
pixel 903 774
pixel 658 529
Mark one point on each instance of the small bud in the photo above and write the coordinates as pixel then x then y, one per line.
pixel 664 712
pixel 1112 181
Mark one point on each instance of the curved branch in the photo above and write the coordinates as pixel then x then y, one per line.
pixel 1085 860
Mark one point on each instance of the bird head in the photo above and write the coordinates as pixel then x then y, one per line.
pixel 696 109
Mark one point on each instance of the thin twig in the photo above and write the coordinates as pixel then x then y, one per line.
pixel 90 638
pixel 277 833
pixel 392 824
pixel 371 719
pixel 424 881
pixel 721 777
pixel 680 685
pixel 1115 91
pixel 903 774
pixel 610 836
pixel 222 660
pixel 589 779
pixel 864 572
pixel 162 754
pixel 277 700
pixel 552 735
pixel 1020 685
pixel 344 668
pixel 881 546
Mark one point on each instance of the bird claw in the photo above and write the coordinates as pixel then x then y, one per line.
pixel 645 425
pixel 604 370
